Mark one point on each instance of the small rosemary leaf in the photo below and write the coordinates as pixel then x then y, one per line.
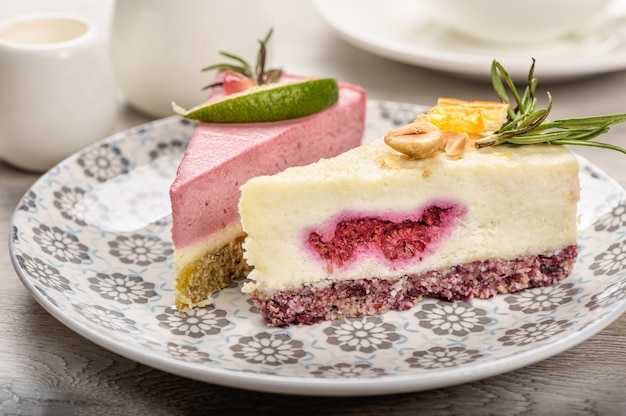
pixel 531 71
pixel 224 67
pixel 502 136
pixel 525 140
pixel 584 135
pixel 534 138
pixel 590 144
pixel 215 84
pixel 511 85
pixel 211 67
pixel 268 36
pixel 507 127
pixel 529 100
pixel 532 118
pixel 523 129
pixel 586 122
pixel 498 87
pixel 239 59
pixel 543 113
pixel 260 64
pixel 261 77
pixel 553 136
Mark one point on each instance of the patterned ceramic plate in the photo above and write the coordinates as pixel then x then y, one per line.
pixel 91 242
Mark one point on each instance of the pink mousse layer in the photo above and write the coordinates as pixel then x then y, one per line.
pixel 222 157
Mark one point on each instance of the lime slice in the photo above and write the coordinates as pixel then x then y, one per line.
pixel 269 102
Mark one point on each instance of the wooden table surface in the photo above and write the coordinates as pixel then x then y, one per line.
pixel 46 368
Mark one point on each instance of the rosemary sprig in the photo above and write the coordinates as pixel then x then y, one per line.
pixel 259 74
pixel 526 125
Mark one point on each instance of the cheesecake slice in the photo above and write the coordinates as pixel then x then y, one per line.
pixel 372 230
pixel 206 228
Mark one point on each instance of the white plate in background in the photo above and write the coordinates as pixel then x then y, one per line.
pixel 403 30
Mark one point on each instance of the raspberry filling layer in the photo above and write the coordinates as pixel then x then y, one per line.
pixel 411 238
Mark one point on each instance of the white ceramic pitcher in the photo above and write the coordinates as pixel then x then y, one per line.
pixel 160 46
pixel 57 92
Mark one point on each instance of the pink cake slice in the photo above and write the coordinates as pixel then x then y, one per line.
pixel 206 229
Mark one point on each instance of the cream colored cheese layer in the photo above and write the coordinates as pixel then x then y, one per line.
pixel 191 253
pixel 518 201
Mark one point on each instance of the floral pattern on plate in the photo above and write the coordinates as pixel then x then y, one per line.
pixel 91 241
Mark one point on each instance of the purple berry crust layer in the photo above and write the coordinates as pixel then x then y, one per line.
pixel 480 279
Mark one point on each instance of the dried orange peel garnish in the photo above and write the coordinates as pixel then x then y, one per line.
pixel 470 117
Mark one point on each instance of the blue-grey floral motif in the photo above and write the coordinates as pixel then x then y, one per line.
pixel 436 358
pixel 61 245
pixel 611 261
pixel 366 334
pixel 106 318
pixel 121 288
pixel 194 323
pixel 614 294
pixel 533 332
pixel 542 299
pixel 44 273
pixel 139 249
pixel 172 147
pixel 65 199
pixel 398 115
pixel 268 349
pixel 187 353
pixel 28 201
pixel 103 162
pixel 452 318
pixel 614 221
